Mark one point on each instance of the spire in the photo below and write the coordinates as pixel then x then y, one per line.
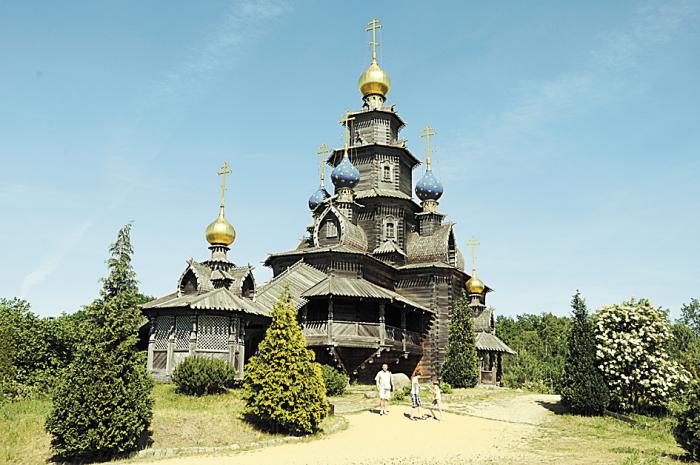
pixel 345 176
pixel 220 232
pixel 474 285
pixel 321 194
pixel 428 188
pixel 374 82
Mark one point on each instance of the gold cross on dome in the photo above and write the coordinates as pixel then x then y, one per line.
pixel 373 25
pixel 223 172
pixel 427 133
pixel 473 244
pixel 323 152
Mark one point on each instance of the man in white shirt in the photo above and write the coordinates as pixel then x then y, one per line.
pixel 383 380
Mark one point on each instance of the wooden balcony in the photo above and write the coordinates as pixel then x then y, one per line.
pixel 362 335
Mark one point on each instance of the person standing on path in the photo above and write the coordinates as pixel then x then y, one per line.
pixel 384 385
pixel 437 399
pixel 416 405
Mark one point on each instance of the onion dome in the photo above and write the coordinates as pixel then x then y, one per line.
pixel 220 231
pixel 475 286
pixel 317 197
pixel 345 174
pixel 428 187
pixel 374 80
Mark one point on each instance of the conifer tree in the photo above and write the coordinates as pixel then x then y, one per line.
pixel 461 367
pixel 583 388
pixel 102 404
pixel 283 386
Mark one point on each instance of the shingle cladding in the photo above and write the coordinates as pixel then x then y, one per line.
pixel 491 343
pixel 434 247
pixel 299 277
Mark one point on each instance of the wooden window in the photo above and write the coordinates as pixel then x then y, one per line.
pixel 390 233
pixel 386 173
pixel 331 229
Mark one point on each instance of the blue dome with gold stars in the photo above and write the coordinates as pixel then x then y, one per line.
pixel 428 187
pixel 345 174
pixel 317 197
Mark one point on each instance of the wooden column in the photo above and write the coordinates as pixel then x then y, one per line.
pixel 499 368
pixel 403 327
pixel 233 341
pixel 241 346
pixel 170 361
pixel 382 323
pixel 151 343
pixel 330 318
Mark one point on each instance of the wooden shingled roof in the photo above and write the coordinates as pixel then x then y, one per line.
pixel 299 277
pixel 358 287
pixel 434 247
pixel 491 343
pixel 219 299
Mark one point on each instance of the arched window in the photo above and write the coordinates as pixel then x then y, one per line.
pixel 386 173
pixel 390 233
pixel 331 229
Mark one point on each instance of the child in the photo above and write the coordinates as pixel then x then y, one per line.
pixel 437 399
pixel 415 397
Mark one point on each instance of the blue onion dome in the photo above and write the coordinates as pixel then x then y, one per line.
pixel 317 197
pixel 345 174
pixel 428 187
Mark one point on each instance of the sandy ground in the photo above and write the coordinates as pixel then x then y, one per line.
pixel 486 432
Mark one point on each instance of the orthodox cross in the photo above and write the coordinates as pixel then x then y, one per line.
pixel 428 132
pixel 346 122
pixel 323 152
pixel 225 171
pixel 473 244
pixel 373 26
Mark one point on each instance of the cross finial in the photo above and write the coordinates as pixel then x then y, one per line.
pixel 323 152
pixel 223 172
pixel 473 243
pixel 428 132
pixel 373 25
pixel 346 122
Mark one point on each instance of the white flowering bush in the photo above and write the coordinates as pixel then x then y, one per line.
pixel 631 350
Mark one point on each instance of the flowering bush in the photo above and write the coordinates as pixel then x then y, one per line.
pixel 631 349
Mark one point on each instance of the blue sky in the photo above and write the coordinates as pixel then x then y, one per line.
pixel 568 136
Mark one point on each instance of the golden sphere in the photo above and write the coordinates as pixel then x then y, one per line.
pixel 475 286
pixel 220 231
pixel 374 81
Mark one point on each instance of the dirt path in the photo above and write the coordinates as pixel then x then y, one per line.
pixel 483 433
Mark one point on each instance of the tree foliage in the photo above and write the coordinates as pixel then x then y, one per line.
pixel 461 367
pixel 583 388
pixel 690 315
pixel 283 386
pixel 687 429
pixel 197 376
pixel 541 343
pixel 102 402
pixel 632 341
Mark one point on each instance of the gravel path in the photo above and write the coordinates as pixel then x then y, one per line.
pixel 486 432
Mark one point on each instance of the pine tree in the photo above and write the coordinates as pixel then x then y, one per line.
pixel 461 367
pixel 283 386
pixel 102 402
pixel 583 388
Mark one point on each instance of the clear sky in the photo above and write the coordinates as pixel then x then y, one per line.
pixel 568 136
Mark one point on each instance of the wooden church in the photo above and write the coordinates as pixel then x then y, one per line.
pixel 374 279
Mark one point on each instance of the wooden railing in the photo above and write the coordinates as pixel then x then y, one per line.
pixel 362 331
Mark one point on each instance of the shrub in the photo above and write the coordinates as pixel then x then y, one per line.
pixel 283 386
pixel 687 429
pixel 402 393
pixel 583 388
pixel 197 376
pixel 335 381
pixel 445 388
pixel 102 404
pixel 631 349
pixel 461 367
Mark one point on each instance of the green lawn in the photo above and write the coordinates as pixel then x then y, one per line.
pixel 178 421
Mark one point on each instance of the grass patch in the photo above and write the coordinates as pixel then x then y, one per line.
pixel 178 421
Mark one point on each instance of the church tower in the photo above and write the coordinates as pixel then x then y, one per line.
pixel 377 275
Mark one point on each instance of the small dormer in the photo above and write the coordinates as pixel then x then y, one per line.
pixel 188 283
pixel 329 230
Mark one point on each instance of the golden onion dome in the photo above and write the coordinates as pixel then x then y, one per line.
pixel 220 231
pixel 374 81
pixel 475 285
